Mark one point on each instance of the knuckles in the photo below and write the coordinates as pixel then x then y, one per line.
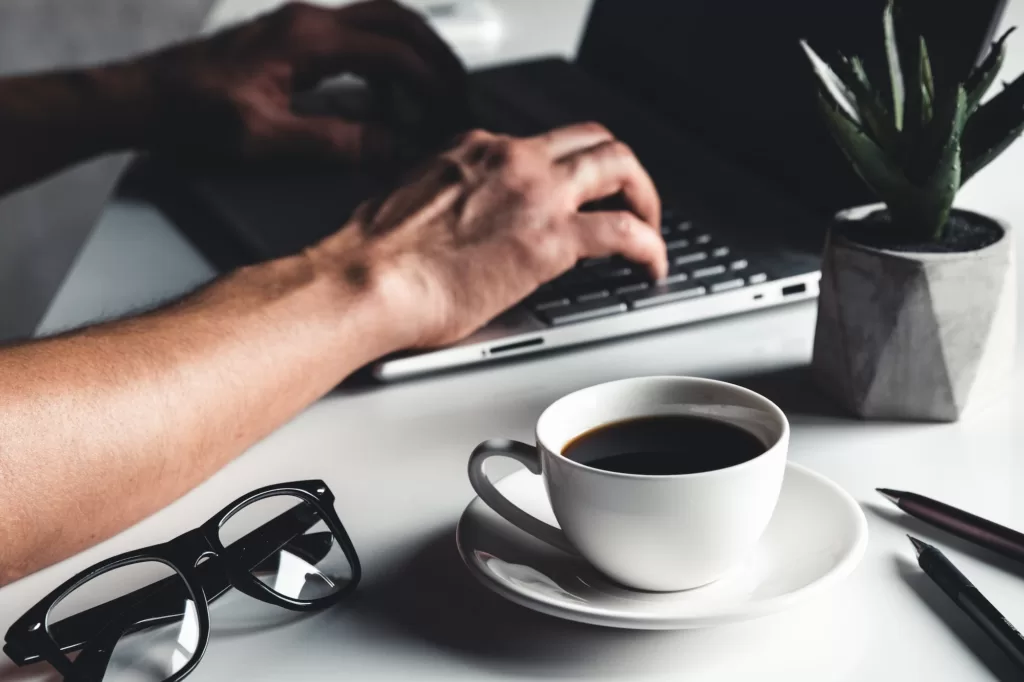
pixel 619 149
pixel 476 136
pixel 622 222
pixel 296 20
pixel 516 164
pixel 524 166
pixel 594 128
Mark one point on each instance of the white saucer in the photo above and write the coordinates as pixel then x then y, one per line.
pixel 815 538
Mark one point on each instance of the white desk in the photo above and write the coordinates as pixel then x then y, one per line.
pixel 396 457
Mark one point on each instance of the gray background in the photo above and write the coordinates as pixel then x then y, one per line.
pixel 42 227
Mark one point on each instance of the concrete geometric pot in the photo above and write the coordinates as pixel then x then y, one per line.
pixel 906 335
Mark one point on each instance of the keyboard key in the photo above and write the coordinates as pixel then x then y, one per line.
pixel 632 288
pixel 674 277
pixel 684 226
pixel 720 252
pixel 759 278
pixel 664 293
pixel 676 244
pixel 613 271
pixel 740 264
pixel 703 239
pixel 591 262
pixel 579 312
pixel 666 230
pixel 595 295
pixel 709 272
pixel 726 285
pixel 638 275
pixel 574 291
pixel 687 258
pixel 572 277
pixel 549 303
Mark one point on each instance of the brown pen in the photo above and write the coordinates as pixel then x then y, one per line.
pixel 974 529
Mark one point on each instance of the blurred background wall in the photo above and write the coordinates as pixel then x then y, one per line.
pixel 43 227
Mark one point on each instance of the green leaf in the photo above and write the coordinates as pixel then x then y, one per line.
pixel 919 211
pixel 927 85
pixel 936 168
pixel 944 131
pixel 836 87
pixel 874 117
pixel 892 56
pixel 941 187
pixel 994 121
pixel 982 77
pixel 868 159
pixel 993 127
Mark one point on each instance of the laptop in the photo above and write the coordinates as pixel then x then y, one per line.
pixel 717 101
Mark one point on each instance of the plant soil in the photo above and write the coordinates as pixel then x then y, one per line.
pixel 964 232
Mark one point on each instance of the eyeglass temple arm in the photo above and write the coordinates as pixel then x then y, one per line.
pixel 163 601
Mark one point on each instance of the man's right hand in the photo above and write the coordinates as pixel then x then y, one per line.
pixel 487 222
pixel 150 406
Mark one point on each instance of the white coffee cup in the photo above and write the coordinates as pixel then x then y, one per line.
pixel 649 532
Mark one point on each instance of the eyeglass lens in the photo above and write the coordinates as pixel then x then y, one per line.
pixel 311 565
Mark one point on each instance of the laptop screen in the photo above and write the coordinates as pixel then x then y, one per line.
pixel 732 73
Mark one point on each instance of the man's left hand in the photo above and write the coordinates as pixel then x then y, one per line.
pixel 230 95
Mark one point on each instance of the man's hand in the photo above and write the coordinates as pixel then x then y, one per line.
pixel 487 222
pixel 231 94
pixel 150 406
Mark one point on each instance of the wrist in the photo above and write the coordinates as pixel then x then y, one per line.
pixel 370 285
pixel 125 111
pixel 298 310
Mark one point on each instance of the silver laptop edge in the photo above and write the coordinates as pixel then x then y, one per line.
pixel 533 336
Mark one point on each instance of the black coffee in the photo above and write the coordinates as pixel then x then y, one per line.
pixel 664 446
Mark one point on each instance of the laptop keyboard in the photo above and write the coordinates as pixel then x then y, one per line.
pixel 699 264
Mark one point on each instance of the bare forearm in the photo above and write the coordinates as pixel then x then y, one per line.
pixel 49 121
pixel 140 411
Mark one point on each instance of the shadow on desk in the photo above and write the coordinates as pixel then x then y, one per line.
pixel 432 598
pixel 940 604
pixel 794 391
pixel 937 536
pixel 791 388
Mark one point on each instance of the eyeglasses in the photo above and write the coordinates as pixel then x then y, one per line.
pixel 147 612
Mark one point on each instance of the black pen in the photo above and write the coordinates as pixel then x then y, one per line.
pixel 970 600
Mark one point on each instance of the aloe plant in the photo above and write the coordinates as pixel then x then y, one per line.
pixel 916 141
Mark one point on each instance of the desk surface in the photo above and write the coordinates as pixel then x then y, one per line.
pixel 396 457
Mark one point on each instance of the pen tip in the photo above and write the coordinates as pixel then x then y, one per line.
pixel 919 546
pixel 891 495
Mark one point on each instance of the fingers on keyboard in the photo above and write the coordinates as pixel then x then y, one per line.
pixel 699 265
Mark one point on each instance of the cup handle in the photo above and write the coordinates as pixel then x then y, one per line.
pixel 528 457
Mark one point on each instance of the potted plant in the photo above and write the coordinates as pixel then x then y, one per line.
pixel 918 300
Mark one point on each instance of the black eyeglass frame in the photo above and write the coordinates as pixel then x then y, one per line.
pixel 29 637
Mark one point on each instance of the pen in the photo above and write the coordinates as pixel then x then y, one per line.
pixel 974 529
pixel 971 601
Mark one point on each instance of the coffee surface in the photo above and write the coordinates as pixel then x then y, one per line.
pixel 664 446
